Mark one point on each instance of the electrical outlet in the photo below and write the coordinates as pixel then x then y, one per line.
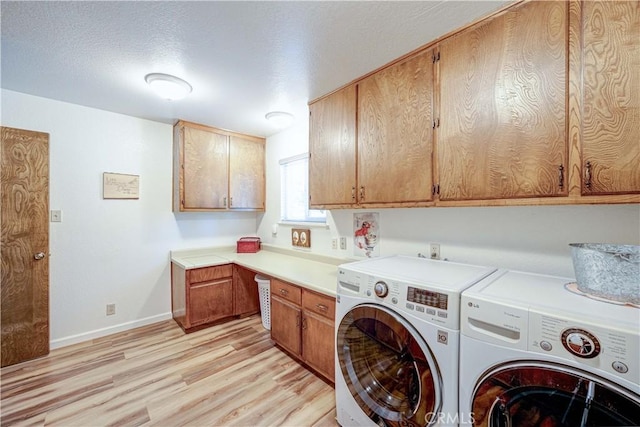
pixel 434 250
pixel 111 309
pixel 343 243
pixel 334 243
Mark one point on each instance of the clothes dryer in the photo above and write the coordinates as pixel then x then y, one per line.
pixel 533 352
pixel 397 337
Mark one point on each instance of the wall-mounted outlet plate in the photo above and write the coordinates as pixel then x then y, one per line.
pixel 434 250
pixel 301 237
pixel 334 243
pixel 111 309
pixel 343 243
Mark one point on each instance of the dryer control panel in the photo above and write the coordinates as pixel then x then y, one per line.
pixel 612 350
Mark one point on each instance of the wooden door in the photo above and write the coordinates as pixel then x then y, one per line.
pixel 246 173
pixel 285 324
pixel 25 245
pixel 611 97
pixel 318 344
pixel 245 291
pixel 503 104
pixel 205 169
pixel 332 148
pixel 395 135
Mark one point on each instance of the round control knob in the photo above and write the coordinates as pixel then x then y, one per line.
pixel 381 289
pixel 580 343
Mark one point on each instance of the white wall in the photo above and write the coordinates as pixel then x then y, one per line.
pixel 112 251
pixel 530 238
pixel 117 251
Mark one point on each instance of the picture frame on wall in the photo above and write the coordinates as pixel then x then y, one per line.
pixel 120 186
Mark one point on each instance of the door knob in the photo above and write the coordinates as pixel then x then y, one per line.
pixel 39 255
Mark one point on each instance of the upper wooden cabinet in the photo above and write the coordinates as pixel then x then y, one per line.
pixel 332 144
pixel 395 135
pixel 610 102
pixel 216 169
pixel 246 173
pixel 503 102
pixel 537 104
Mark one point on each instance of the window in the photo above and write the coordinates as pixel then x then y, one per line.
pixel 294 191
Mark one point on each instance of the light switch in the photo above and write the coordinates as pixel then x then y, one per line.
pixel 56 216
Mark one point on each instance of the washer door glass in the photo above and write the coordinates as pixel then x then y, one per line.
pixel 545 394
pixel 388 367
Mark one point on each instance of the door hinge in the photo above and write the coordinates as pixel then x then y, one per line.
pixel 436 123
pixel 436 189
pixel 436 57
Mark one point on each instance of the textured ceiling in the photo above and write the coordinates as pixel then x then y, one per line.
pixel 242 58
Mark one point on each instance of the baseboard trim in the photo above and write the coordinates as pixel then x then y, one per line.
pixel 98 333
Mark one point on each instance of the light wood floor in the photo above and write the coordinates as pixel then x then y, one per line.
pixel 226 375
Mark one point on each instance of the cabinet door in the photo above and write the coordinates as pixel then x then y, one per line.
pixel 503 104
pixel 246 173
pixel 395 135
pixel 332 148
pixel 318 344
pixel 210 301
pixel 245 289
pixel 204 169
pixel 611 97
pixel 285 324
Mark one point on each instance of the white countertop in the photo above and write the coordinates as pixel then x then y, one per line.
pixel 315 272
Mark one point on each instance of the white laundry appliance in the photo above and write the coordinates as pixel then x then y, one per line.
pixel 397 340
pixel 536 352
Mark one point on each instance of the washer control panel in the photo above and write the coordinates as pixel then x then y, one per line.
pixel 432 305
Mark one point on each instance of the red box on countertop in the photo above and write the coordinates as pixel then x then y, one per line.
pixel 248 245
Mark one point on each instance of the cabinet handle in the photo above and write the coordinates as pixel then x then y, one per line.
pixel 284 291
pixel 353 193
pixel 362 193
pixel 322 307
pixel 304 323
pixel 561 176
pixel 224 202
pixel 230 201
pixel 587 175
pixel 297 321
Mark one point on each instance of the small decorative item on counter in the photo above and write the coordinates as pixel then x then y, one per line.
pixel 248 245
pixel 608 271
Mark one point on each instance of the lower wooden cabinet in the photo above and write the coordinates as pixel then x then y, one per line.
pixel 302 323
pixel 203 296
pixel 246 298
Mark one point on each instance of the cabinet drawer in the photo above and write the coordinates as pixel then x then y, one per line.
pixel 286 291
pixel 320 304
pixel 208 274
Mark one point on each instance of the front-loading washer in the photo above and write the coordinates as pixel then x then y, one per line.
pixel 397 340
pixel 533 352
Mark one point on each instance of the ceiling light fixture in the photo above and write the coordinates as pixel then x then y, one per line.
pixel 168 86
pixel 280 119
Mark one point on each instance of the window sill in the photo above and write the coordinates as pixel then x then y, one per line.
pixel 304 224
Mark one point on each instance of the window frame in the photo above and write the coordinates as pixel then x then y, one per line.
pixel 321 218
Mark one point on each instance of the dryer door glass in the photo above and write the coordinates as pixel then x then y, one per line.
pixel 388 367
pixel 545 394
